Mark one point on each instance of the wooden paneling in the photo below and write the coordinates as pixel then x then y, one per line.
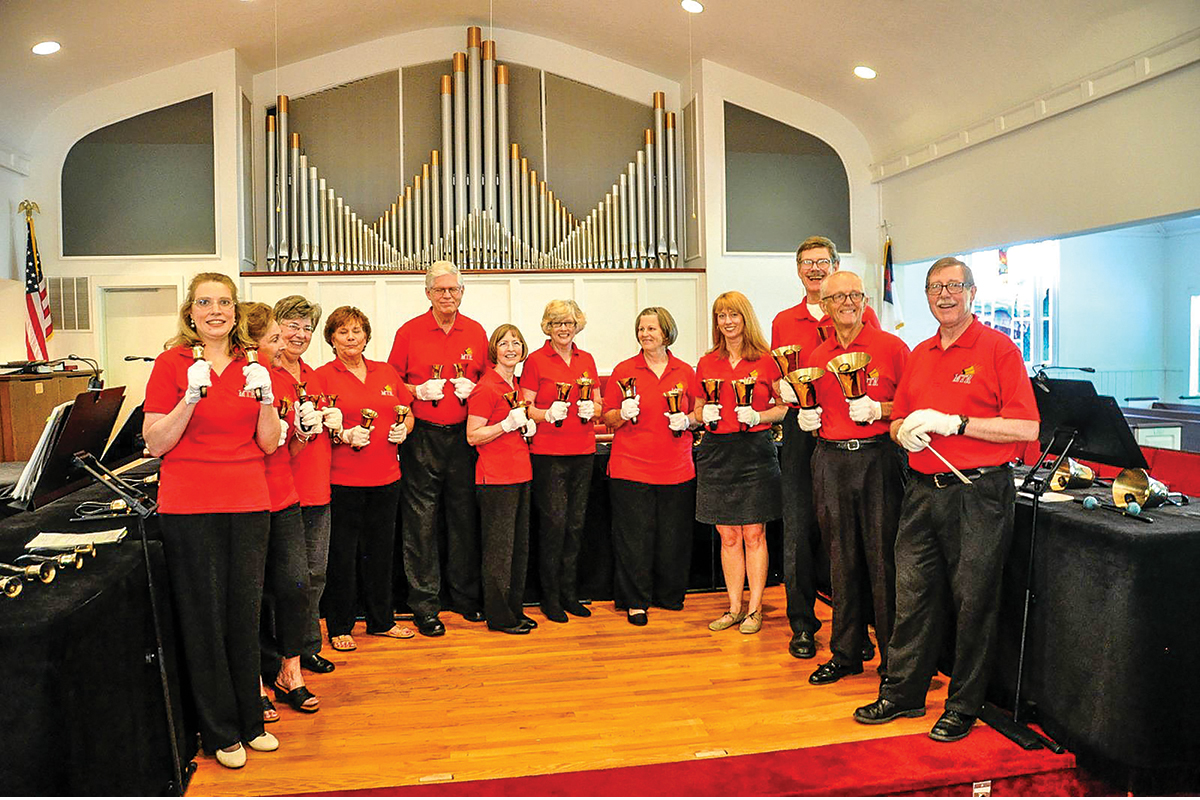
pixel 25 402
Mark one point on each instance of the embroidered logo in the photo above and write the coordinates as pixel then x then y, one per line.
pixel 468 354
pixel 873 378
pixel 387 391
pixel 965 376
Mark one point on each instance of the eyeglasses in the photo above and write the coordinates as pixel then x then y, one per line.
pixel 954 287
pixel 452 291
pixel 820 262
pixel 841 297
pixel 296 327
pixel 564 323
pixel 206 302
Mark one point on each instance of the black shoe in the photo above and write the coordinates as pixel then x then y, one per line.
pixel 316 663
pixel 832 672
pixel 868 651
pixel 882 711
pixel 515 630
pixel 554 614
pixel 529 622
pixel 670 606
pixel 802 645
pixel 577 608
pixel 429 625
pixel 638 619
pixel 296 698
pixel 474 616
pixel 951 726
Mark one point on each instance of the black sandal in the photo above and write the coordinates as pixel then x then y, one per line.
pixel 269 713
pixel 296 698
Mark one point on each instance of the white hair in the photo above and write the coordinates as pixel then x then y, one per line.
pixel 439 268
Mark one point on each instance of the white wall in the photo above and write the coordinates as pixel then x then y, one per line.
pixel 12 311
pixel 12 230
pixel 1131 156
pixel 1181 257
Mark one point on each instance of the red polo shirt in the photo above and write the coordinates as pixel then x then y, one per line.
pixel 888 354
pixel 377 464
pixel 216 467
pixel 980 375
pixel 310 467
pixel 420 343
pixel 280 484
pixel 714 365
pixel 505 459
pixel 544 368
pixel 649 452
pixel 797 326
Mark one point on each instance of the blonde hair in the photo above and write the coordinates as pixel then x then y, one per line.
pixel 754 344
pixel 186 335
pixel 560 311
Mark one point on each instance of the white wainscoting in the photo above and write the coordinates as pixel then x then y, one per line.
pixel 611 303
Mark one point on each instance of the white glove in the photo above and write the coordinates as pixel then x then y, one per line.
pixel 912 435
pixel 515 420
pixel 557 411
pixel 587 409
pixel 677 421
pixel 333 418
pixel 710 413
pixel 397 433
pixel 258 378
pixel 809 419
pixel 931 421
pixel 631 407
pixel 308 419
pixel 283 433
pixel 462 388
pixel 432 389
pixel 787 394
pixel 530 429
pixel 199 375
pixel 747 416
pixel 358 436
pixel 864 409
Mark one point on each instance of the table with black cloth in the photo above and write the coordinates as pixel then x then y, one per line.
pixel 83 710
pixel 1114 635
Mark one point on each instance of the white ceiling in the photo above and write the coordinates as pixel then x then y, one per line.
pixel 942 63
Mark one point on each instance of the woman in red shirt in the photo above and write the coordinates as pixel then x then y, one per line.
pixel 205 422
pixel 502 479
pixel 365 481
pixel 562 453
pixel 651 477
pixel 737 472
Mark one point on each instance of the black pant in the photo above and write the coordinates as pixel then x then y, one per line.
pixel 285 617
pixel 560 495
pixel 652 542
pixel 950 554
pixel 316 543
pixel 858 504
pixel 438 468
pixel 361 537
pixel 804 555
pixel 215 563
pixel 505 514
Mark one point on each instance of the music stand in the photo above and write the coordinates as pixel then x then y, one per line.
pixel 87 428
pixel 128 444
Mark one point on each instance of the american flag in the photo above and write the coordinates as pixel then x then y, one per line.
pixel 893 319
pixel 38 325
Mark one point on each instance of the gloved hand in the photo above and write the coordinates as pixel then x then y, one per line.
pixel 397 433
pixel 710 413
pixel 587 409
pixel 462 387
pixel 257 377
pixel 809 419
pixel 912 435
pixel 557 411
pixel 283 433
pixel 199 376
pixel 515 420
pixel 678 421
pixel 631 407
pixel 432 389
pixel 864 409
pixel 747 416
pixel 308 419
pixel 787 394
pixel 931 421
pixel 358 436
pixel 530 429
pixel 333 418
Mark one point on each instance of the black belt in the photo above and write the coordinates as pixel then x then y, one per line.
pixel 941 480
pixel 458 426
pixel 854 444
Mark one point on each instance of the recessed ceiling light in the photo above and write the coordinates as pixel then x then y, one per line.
pixel 46 48
pixel 691 6
pixel 866 73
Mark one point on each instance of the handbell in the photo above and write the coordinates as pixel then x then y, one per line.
pixel 628 391
pixel 43 572
pixel 787 357
pixel 460 371
pixel 803 382
pixel 851 372
pixel 61 560
pixel 10 586
pixel 585 385
pixel 435 372
pixel 302 394
pixel 564 394
pixel 1134 485
pixel 514 402
pixel 712 395
pixel 402 413
pixel 252 357
pixel 674 398
pixel 198 355
pixel 285 407
pixel 1072 475
pixel 743 391
pixel 368 421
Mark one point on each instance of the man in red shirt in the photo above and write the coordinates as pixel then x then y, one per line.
pixel 806 325
pixel 429 352
pixel 965 398
pixel 857 477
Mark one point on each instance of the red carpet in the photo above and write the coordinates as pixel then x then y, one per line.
pixel 903 764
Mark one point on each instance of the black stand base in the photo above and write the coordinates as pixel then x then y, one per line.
pixel 1018 732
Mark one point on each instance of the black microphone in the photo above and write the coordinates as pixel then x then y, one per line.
pixel 140 358
pixel 1039 374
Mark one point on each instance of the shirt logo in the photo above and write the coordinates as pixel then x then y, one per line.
pixel 873 378
pixel 387 391
pixel 467 355
pixel 965 376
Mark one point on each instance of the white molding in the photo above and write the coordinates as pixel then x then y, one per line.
pixel 14 161
pixel 1159 60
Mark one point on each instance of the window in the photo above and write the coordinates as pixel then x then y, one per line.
pixel 1194 354
pixel 1018 295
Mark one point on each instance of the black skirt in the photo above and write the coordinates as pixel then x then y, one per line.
pixel 737 479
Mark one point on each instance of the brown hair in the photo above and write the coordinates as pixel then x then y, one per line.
pixel 665 321
pixel 499 334
pixel 343 315
pixel 186 335
pixel 258 318
pixel 813 242
pixel 297 307
pixel 754 344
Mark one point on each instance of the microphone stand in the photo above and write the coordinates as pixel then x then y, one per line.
pixel 144 507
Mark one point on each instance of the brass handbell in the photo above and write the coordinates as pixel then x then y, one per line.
pixel 368 421
pixel 1136 486
pixel 198 355
pixel 435 371
pixel 743 391
pixel 851 372
pixel 628 391
pixel 564 394
pixel 252 357
pixel 43 572
pixel 460 371
pixel 788 358
pixel 585 385
pixel 1072 475
pixel 712 395
pixel 803 383
pixel 10 586
pixel 514 402
pixel 285 406
pixel 674 398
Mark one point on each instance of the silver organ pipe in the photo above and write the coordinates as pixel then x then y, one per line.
pixel 324 202
pixel 660 177
pixel 631 213
pixel 525 237
pixel 410 247
pixel 314 220
pixel 641 207
pixel 649 180
pixel 340 226
pixel 672 192
pixel 272 203
pixel 435 206
pixel 502 148
pixel 513 258
pixel 474 122
pixel 460 153
pixel 281 109
pixel 489 130
pixel 301 179
pixel 447 90
pixel 294 197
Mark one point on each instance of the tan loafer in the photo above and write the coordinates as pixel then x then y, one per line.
pixel 232 759
pixel 752 623
pixel 726 620
pixel 264 743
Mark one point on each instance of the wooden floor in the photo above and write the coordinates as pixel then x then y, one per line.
pixel 592 693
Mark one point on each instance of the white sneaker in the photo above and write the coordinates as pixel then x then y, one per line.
pixel 263 743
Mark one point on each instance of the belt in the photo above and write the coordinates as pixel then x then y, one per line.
pixel 458 426
pixel 941 480
pixel 854 444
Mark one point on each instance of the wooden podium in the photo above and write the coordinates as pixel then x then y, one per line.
pixel 26 401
